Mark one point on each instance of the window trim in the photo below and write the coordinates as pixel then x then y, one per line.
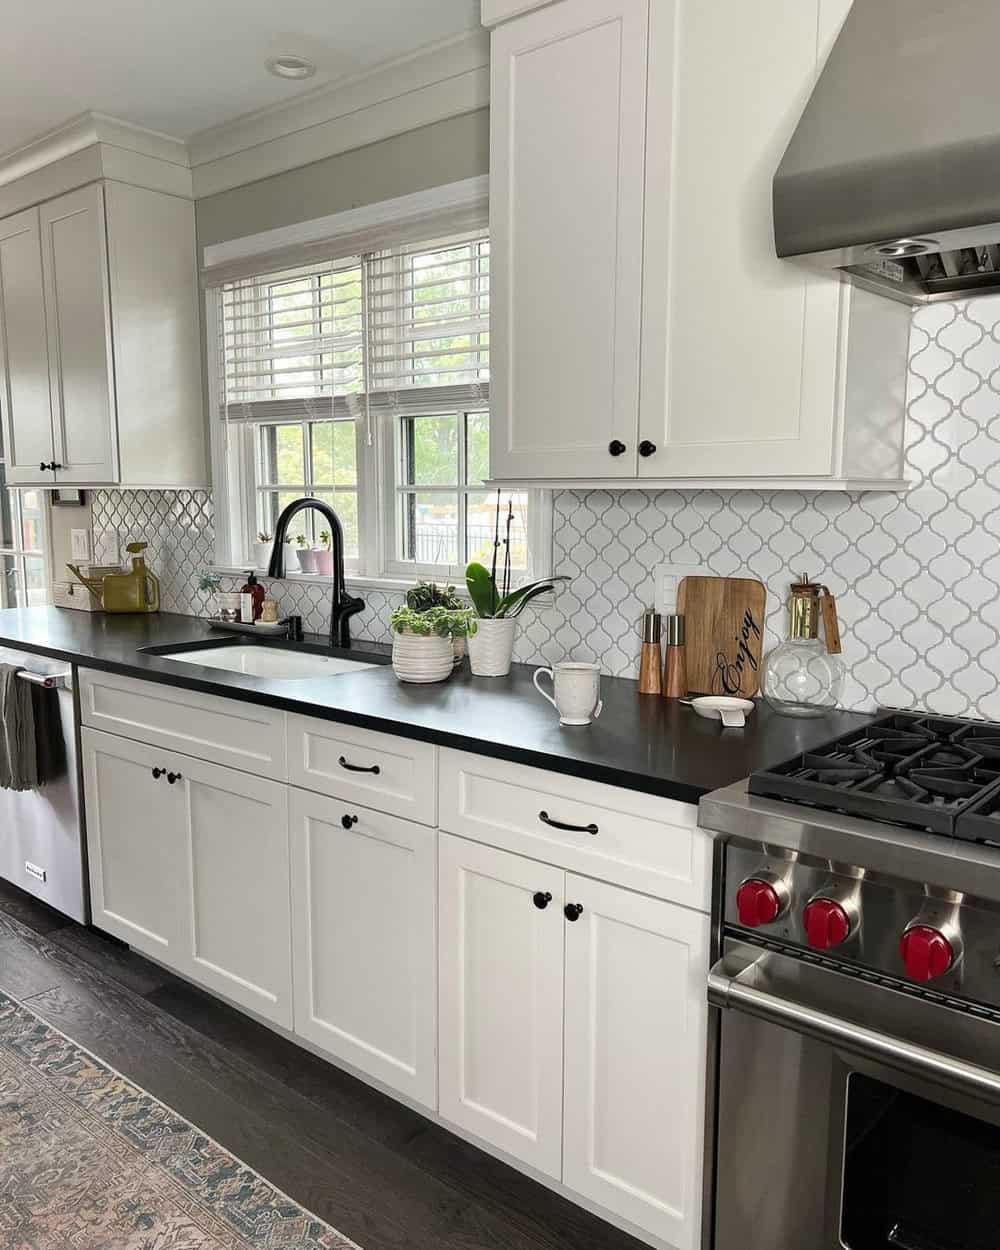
pixel 17 551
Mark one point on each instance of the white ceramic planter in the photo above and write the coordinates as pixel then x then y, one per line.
pixel 491 647
pixel 422 657
pixel 307 559
pixel 261 555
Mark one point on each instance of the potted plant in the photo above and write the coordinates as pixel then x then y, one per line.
pixel 422 642
pixel 262 549
pixel 491 647
pixel 323 554
pixel 427 595
pixel 305 553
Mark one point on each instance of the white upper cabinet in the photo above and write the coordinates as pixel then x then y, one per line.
pixel 752 370
pixel 568 107
pixel 99 321
pixel 24 362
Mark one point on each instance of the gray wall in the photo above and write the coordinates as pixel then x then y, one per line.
pixel 430 156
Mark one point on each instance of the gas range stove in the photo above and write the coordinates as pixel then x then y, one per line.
pixel 935 773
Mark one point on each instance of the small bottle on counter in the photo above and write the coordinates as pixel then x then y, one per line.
pixel 251 600
pixel 651 659
pixel 675 681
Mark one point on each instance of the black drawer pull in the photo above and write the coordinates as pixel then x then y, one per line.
pixel 546 819
pixel 158 773
pixel 573 911
pixel 348 821
pixel 172 777
pixel 541 900
pixel 359 768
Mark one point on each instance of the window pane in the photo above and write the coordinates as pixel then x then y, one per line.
pixel 34 572
pixel 477 447
pixel 8 511
pixel 334 453
pixel 282 458
pixel 429 450
pixel 8 582
pixel 345 504
pixel 480 519
pixel 31 520
pixel 428 527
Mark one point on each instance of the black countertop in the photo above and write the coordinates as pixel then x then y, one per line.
pixel 641 742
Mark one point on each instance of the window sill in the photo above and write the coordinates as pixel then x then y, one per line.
pixel 399 585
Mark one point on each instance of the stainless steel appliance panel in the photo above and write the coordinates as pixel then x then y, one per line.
pixel 41 840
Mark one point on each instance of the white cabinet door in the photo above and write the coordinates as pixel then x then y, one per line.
pixel 567 115
pixel 364 926
pixel 501 999
pixel 78 317
pixel 135 844
pixel 635 1057
pixel 24 361
pixel 740 349
pixel 233 834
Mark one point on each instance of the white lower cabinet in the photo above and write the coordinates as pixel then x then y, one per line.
pixel 635 1044
pixel 573 1030
pixel 194 871
pixel 364 934
pixel 501 999
pixel 134 837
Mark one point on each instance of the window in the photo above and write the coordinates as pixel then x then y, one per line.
pixel 23 578
pixel 364 382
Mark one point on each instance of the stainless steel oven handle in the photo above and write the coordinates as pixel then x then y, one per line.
pixel 728 991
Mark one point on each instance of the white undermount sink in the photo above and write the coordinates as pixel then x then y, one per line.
pixel 268 662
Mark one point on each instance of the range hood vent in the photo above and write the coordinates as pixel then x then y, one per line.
pixel 892 176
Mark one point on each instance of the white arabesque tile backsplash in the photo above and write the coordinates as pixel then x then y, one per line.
pixel 917 575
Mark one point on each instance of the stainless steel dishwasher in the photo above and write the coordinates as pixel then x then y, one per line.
pixel 41 835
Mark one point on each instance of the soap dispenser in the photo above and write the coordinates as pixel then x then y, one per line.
pixel 804 676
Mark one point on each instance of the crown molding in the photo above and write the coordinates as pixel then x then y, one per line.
pixel 85 131
pixel 429 85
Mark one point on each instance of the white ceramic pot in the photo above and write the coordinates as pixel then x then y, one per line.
pixel 491 647
pixel 307 559
pixel 422 657
pixel 261 555
pixel 324 560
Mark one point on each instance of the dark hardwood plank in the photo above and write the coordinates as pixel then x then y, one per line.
pixel 114 959
pixel 350 1100
pixel 30 911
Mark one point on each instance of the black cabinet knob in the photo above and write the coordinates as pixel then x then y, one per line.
pixel 646 448
pixel 541 900
pixel 43 466
pixel 53 466
pixel 573 911
pixel 172 777
pixel 617 447
pixel 158 773
pixel 348 821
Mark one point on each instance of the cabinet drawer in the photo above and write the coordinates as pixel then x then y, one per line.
pixel 223 731
pixel 382 771
pixel 637 840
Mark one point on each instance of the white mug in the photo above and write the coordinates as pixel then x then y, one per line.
pixel 577 689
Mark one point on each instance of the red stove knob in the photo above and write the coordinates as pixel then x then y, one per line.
pixel 926 952
pixel 758 902
pixel 827 923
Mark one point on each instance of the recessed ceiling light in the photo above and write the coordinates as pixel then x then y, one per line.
pixel 289 66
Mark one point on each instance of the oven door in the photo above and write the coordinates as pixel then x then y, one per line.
pixel 850 1113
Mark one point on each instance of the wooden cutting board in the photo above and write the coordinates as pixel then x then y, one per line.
pixel 723 632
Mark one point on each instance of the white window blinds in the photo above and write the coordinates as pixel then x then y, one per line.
pixel 403 328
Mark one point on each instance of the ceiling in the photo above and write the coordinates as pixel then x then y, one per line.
pixel 183 66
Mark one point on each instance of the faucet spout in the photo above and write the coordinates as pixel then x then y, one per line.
pixel 342 605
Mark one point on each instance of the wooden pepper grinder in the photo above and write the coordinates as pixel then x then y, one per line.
pixel 675 679
pixel 651 659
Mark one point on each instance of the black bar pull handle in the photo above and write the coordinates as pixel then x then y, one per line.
pixel 359 768
pixel 546 819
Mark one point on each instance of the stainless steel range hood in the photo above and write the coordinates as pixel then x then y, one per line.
pixel 893 173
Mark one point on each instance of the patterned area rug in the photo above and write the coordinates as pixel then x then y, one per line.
pixel 89 1161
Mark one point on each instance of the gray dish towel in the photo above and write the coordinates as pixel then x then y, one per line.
pixel 18 753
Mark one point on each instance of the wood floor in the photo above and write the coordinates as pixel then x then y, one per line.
pixel 379 1172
